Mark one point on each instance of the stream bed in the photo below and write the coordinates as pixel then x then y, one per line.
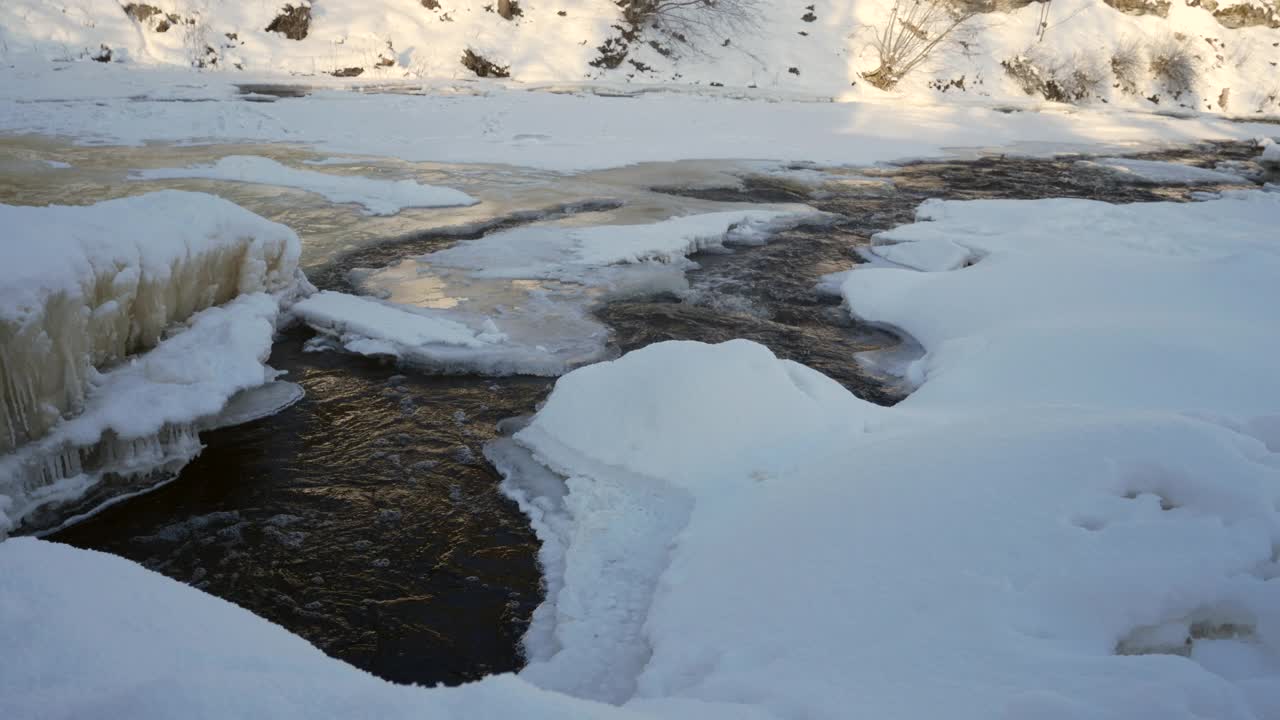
pixel 365 518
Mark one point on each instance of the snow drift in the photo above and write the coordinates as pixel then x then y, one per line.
pixel 84 288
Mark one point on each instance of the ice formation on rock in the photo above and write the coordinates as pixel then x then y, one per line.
pixel 82 289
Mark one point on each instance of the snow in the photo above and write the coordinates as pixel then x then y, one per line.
pixel 1270 157
pixel 1153 172
pixel 1132 287
pixel 377 197
pixel 163 648
pixel 578 131
pixel 520 300
pixel 1083 470
pixel 83 287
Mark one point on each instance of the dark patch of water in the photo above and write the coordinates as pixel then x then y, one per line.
pixel 363 519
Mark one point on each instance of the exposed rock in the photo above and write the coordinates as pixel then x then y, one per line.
pixel 348 72
pixel 1159 8
pixel 293 21
pixel 1247 15
pixel 483 67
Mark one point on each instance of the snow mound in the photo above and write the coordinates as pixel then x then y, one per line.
pixel 377 197
pixel 163 648
pixel 1270 157
pixel 1081 302
pixel 84 287
pixel 1153 172
pixel 1085 471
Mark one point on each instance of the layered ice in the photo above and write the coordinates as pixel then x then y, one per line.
pixel 1155 172
pixel 84 287
pixel 126 327
pixel 377 197
pixel 139 421
pixel 520 300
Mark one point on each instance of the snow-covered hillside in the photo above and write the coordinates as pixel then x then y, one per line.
pixel 1192 54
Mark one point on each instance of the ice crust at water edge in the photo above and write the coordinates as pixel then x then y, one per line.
pixel 1153 172
pixel 377 197
pixel 519 301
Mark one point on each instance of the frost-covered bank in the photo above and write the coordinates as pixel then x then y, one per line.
pixel 83 290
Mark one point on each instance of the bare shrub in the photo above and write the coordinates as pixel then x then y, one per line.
pixel 482 66
pixel 913 31
pixel 1126 66
pixel 684 18
pixel 1173 64
pixel 1071 79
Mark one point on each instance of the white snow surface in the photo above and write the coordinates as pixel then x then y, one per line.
pixel 1154 172
pixel 377 197
pixel 107 103
pixel 169 649
pixel 1092 457
pixel 1073 516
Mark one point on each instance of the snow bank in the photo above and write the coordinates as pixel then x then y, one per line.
pixel 83 287
pixel 1152 172
pixel 1074 301
pixel 162 648
pixel 377 197
pixel 519 301
pixel 1080 499
pixel 1270 157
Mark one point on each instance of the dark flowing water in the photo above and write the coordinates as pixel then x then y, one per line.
pixel 365 518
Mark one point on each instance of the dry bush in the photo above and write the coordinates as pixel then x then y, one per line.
pixel 1173 64
pixel 1070 79
pixel 1126 66
pixel 685 18
pixel 915 29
